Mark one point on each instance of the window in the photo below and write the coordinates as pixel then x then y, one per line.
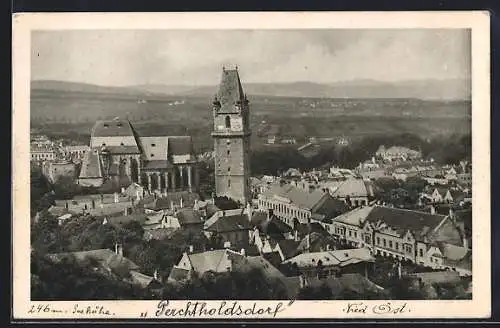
pixel 378 240
pixel 152 155
pixel 106 125
pixel 228 152
pixel 228 142
pixel 121 144
pixel 397 246
pixel 103 144
pixel 420 252
pixel 153 145
pixel 228 122
pixel 390 243
pixel 355 234
pixel 229 183
pixel 229 169
pixel 384 241
pixel 349 233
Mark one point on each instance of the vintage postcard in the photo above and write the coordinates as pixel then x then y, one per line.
pixel 251 165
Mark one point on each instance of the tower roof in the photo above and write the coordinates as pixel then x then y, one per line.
pixel 230 90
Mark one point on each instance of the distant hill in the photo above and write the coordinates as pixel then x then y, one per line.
pixel 453 89
pixel 428 89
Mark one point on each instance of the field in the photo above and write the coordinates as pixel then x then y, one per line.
pixel 75 112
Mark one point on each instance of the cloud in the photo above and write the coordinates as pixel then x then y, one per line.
pixel 118 57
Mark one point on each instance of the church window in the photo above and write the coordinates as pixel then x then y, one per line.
pixel 228 152
pixel 228 122
pixel 229 183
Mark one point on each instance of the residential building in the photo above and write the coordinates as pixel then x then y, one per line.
pixel 333 262
pixel 75 152
pixel 397 153
pixel 415 236
pixel 289 202
pixel 231 227
pixel 358 192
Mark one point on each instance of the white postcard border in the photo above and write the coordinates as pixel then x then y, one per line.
pixel 478 22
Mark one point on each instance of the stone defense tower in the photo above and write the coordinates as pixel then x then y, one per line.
pixel 231 136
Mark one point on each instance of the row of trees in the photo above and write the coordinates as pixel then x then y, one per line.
pixel 443 149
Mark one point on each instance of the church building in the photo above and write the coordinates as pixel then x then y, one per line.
pixel 122 154
pixel 231 134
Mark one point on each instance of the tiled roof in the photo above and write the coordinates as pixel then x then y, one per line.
pixel 235 222
pixel 288 247
pixel 105 257
pixel 141 279
pixel 353 282
pixel 91 166
pixel 258 217
pixel 338 257
pixel 273 226
pixel 245 264
pixel 189 216
pixel 420 223
pixel 330 207
pixel 354 217
pixel 456 256
pixel 351 188
pixel 230 90
pixel 273 257
pixel 112 128
pixel 300 197
pixel 181 145
pixel 210 260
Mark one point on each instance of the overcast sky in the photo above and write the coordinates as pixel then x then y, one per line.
pixel 190 57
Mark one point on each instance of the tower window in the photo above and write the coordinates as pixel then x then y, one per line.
pixel 152 155
pixel 228 142
pixel 229 169
pixel 228 182
pixel 228 122
pixel 228 151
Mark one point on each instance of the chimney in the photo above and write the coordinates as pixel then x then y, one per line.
pixel 308 242
pixel 138 195
pixel 270 213
pixel 242 252
pixel 296 235
pixel 191 249
pixel 196 205
pixel 123 190
pixel 399 270
pixel 118 249
pixel 172 205
pixel 433 209
pixel 465 242
pixel 327 247
pixel 249 211
pixel 125 211
pixel 155 275
pixel 181 202
pixel 451 214
pixel 116 197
